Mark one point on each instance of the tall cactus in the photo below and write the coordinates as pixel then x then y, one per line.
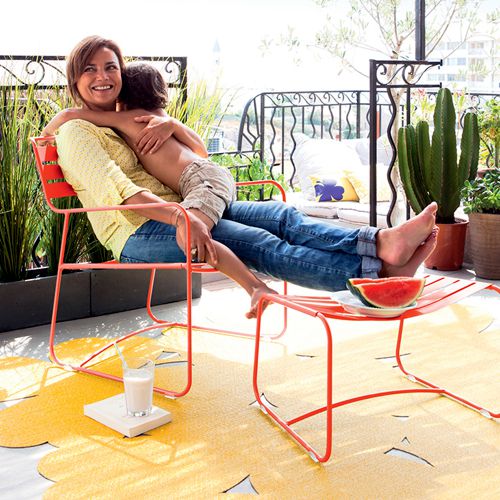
pixel 429 171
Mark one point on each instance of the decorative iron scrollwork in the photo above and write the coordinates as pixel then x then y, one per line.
pixel 49 71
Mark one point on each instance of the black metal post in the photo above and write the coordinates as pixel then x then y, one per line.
pixel 373 143
pixel 420 30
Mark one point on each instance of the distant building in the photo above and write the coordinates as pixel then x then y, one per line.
pixel 473 65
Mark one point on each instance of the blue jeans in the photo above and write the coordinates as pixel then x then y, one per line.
pixel 277 240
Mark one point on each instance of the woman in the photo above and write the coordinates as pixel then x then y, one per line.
pixel 206 188
pixel 269 237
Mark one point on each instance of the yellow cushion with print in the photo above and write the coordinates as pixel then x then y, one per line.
pixel 333 189
pixel 359 178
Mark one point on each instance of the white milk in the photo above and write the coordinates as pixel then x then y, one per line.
pixel 138 391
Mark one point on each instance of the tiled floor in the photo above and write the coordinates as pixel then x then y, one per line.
pixel 19 478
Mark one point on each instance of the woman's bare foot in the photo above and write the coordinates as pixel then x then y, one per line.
pixel 256 295
pixel 411 266
pixel 396 246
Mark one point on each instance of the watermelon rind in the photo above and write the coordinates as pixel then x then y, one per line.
pixel 396 292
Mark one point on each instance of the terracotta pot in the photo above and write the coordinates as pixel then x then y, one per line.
pixel 449 252
pixel 485 244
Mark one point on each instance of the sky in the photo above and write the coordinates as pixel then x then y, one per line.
pixel 173 27
pixel 189 28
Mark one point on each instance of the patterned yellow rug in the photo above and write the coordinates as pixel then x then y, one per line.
pixel 404 446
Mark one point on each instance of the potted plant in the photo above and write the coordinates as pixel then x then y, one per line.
pixel 430 172
pixel 482 204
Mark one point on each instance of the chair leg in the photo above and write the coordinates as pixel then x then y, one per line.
pixel 286 425
pixel 158 324
pixel 330 405
pixel 414 378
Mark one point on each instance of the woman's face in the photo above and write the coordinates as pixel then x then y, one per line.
pixel 101 81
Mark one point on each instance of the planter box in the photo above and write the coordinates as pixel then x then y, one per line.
pixel 29 302
pixel 87 293
pixel 112 292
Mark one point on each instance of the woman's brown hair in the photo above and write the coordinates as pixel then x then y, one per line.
pixel 79 58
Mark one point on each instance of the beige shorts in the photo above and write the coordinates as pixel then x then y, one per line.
pixel 208 187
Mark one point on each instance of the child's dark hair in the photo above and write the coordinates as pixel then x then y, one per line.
pixel 143 87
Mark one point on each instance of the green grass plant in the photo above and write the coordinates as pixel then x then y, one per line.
pixel 19 184
pixel 202 111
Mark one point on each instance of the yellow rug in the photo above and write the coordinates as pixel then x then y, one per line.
pixel 404 446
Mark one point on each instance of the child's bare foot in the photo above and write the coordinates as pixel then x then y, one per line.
pixel 411 266
pixel 396 246
pixel 256 295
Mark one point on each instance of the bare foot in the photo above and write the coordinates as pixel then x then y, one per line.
pixel 396 246
pixel 411 266
pixel 256 295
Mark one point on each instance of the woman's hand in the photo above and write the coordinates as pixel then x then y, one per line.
pixel 202 246
pixel 155 133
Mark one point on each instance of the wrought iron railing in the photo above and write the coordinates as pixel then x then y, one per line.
pixel 271 121
pixel 48 72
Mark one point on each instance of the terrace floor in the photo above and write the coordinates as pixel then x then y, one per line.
pixel 19 478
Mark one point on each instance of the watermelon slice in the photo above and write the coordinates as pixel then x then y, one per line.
pixel 394 292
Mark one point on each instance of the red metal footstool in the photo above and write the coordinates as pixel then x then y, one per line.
pixel 438 293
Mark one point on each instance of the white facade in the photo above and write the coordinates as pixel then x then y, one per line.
pixel 473 65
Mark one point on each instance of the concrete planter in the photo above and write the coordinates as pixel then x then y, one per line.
pixel 112 292
pixel 87 293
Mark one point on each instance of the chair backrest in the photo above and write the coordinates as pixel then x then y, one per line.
pixel 53 183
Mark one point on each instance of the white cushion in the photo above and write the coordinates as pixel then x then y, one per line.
pixel 323 209
pixel 327 158
pixel 359 214
pixel 323 158
pixel 362 148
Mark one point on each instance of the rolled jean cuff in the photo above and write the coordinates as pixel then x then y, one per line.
pixel 367 250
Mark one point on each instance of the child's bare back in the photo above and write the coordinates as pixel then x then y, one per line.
pixel 166 164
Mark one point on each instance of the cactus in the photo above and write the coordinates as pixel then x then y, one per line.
pixel 429 171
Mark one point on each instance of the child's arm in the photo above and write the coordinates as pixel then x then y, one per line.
pixel 160 128
pixel 190 138
pixel 99 118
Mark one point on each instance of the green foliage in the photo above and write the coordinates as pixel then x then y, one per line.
pixel 19 192
pixel 384 28
pixel 250 169
pixel 23 215
pixel 202 111
pixel 483 195
pixel 95 251
pixel 489 129
pixel 429 170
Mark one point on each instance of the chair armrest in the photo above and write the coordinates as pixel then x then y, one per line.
pixel 187 232
pixel 122 207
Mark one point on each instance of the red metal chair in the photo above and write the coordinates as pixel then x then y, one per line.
pixel 54 186
pixel 439 292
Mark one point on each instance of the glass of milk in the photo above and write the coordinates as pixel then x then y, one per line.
pixel 138 377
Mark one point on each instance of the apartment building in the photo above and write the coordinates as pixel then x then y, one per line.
pixel 473 65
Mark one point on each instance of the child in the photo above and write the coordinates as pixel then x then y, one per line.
pixel 180 163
